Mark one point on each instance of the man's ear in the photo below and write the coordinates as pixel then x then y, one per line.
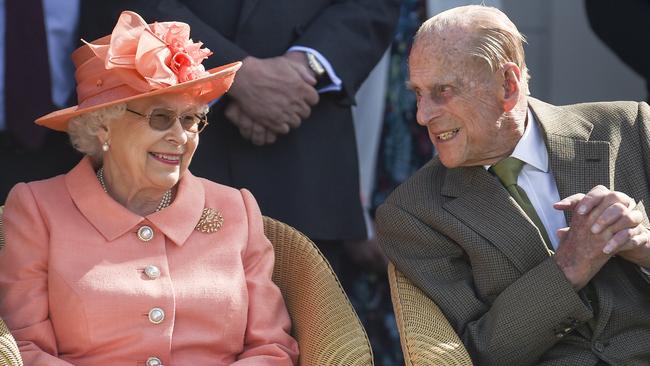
pixel 511 85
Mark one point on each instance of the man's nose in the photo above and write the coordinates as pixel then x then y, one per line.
pixel 427 111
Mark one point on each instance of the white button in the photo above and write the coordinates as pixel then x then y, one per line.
pixel 156 315
pixel 145 233
pixel 154 361
pixel 152 272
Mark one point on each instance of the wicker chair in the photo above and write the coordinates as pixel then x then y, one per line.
pixel 9 354
pixel 325 325
pixel 426 336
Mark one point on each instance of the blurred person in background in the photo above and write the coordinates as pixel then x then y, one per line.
pixel 36 39
pixel 623 26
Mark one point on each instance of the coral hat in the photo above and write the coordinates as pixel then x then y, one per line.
pixel 140 60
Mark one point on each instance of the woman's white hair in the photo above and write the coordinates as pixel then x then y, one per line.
pixel 83 129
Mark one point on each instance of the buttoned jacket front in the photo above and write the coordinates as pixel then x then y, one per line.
pixel 78 284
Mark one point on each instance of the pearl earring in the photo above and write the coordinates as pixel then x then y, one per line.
pixel 105 146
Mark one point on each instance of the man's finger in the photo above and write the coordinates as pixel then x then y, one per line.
pixel 627 239
pixel 245 125
pixel 302 109
pixel 271 138
pixel 277 126
pixel 592 199
pixel 293 120
pixel 562 233
pixel 569 203
pixel 310 95
pixel 258 136
pixel 609 216
pixel 232 112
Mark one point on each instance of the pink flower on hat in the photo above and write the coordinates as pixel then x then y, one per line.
pixel 152 57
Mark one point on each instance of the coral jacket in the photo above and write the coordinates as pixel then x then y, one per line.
pixel 78 285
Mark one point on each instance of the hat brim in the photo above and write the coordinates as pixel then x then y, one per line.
pixel 206 89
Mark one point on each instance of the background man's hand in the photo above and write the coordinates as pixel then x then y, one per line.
pixel 256 133
pixel 276 93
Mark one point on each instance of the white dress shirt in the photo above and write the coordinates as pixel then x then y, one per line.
pixel 537 180
pixel 61 19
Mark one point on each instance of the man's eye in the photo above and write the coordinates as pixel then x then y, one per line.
pixel 445 89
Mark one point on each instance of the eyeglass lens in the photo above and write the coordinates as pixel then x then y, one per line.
pixel 162 119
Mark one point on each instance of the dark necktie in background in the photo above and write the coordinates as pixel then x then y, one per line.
pixel 27 72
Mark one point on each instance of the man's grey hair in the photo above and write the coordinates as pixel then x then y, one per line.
pixel 83 129
pixel 493 37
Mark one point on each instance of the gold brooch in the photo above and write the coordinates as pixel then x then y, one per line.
pixel 210 222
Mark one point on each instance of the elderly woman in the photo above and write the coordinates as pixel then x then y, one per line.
pixel 129 259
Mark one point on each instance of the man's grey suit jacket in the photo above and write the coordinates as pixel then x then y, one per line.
pixel 459 236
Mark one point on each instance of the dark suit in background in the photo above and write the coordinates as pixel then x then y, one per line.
pixel 624 27
pixel 29 152
pixel 309 177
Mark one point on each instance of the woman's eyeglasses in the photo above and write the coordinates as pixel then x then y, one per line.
pixel 162 119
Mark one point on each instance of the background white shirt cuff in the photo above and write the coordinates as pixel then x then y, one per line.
pixel 337 84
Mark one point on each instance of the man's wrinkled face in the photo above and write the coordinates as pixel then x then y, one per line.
pixel 459 102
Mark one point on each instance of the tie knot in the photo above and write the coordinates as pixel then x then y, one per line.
pixel 507 170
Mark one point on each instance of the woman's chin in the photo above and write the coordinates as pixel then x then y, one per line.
pixel 168 180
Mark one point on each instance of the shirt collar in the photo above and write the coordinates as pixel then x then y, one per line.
pixel 531 148
pixel 113 220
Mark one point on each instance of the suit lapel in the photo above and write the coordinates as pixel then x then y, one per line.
pixel 577 164
pixel 246 10
pixel 485 206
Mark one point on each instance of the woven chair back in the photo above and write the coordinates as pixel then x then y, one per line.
pixel 325 325
pixel 426 336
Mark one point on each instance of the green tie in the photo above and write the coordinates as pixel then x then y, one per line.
pixel 507 170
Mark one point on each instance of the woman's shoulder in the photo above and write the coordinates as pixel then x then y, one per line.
pixel 222 192
pixel 212 189
pixel 38 189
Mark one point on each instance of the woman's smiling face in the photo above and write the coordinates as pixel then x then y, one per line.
pixel 144 157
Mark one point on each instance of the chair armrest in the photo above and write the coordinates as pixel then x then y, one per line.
pixel 426 336
pixel 325 324
pixel 9 353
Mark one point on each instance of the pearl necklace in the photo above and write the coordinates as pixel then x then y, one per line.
pixel 166 199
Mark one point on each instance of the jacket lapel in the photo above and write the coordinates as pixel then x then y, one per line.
pixel 485 206
pixel 246 10
pixel 577 164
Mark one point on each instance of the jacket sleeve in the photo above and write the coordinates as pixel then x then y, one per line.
pixel 267 341
pixel 352 35
pixel 23 279
pixel 516 328
pixel 643 125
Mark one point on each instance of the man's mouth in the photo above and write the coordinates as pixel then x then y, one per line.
pixel 447 135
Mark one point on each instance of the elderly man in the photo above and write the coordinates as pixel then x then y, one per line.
pixel 524 277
